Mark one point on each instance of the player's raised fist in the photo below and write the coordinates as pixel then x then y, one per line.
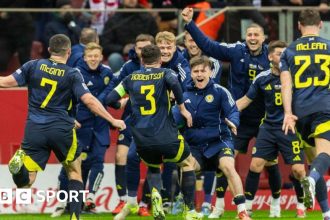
pixel 187 14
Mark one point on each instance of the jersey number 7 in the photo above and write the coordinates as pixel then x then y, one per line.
pixel 53 84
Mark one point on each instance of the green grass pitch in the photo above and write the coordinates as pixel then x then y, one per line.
pixel 288 215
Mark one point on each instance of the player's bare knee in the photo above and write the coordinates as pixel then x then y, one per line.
pixel 121 154
pixel 121 158
pixel 227 165
pixel 188 164
pixel 257 165
pixel 298 171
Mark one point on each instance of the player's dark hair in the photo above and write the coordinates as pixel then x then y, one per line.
pixel 309 17
pixel 88 35
pixel 150 54
pixel 145 37
pixel 276 44
pixel 198 60
pixel 59 44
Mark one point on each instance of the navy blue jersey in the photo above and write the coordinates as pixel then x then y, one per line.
pixel 244 67
pixel 151 119
pixel 181 67
pixel 269 86
pixel 308 60
pixel 208 107
pixel 51 87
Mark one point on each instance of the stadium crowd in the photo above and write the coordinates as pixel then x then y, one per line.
pixel 180 117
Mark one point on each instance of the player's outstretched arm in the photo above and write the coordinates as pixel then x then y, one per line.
pixel 186 114
pixel 8 81
pixel 96 107
pixel 289 121
pixel 243 102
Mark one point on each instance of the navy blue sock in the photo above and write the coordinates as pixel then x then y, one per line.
pixel 146 195
pixel 221 185
pixel 275 181
pixel 63 182
pixel 75 205
pixel 319 166
pixel 22 179
pixel 188 188
pixel 154 178
pixel 120 176
pixel 240 199
pixel 133 172
pixel 167 180
pixel 297 188
pixel 251 184
pixel 321 194
pixel 208 184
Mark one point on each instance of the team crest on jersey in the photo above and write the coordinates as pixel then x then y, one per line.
pixel 106 80
pixel 254 150
pixel 209 98
pixel 121 137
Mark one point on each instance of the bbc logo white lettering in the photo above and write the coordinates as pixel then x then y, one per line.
pixel 24 196
pixel 6 196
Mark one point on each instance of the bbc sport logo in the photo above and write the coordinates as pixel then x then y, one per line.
pixel 24 196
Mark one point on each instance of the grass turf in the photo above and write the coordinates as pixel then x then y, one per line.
pixel 101 216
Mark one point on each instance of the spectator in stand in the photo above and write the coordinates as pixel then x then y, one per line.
pixel 12 26
pixel 87 35
pixel 63 22
pixel 121 30
pixel 99 18
pixel 234 20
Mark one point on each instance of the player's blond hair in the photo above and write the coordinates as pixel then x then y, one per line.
pixel 165 36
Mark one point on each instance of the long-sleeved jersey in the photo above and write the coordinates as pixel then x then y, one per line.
pixel 308 60
pixel 100 83
pixel 181 67
pixel 208 107
pixel 244 67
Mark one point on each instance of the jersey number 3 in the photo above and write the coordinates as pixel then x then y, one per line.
pixel 149 90
pixel 53 84
pixel 305 61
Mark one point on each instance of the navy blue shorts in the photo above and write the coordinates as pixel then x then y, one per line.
pixel 272 141
pixel 155 155
pixel 40 139
pixel 315 125
pixel 245 132
pixel 210 162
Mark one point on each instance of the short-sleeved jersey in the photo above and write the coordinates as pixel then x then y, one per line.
pixel 269 86
pixel 308 60
pixel 51 88
pixel 151 119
